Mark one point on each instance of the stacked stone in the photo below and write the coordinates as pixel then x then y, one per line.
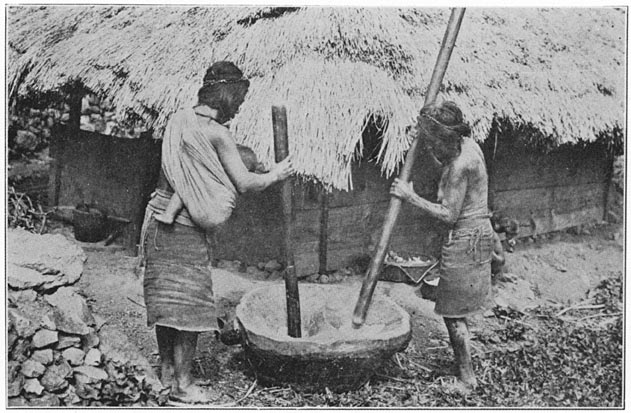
pixel 55 352
pixel 33 126
pixel 53 344
pixel 98 115
pixel 52 337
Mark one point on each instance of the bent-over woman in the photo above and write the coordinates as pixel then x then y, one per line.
pixel 465 274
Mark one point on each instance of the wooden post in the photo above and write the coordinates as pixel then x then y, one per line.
pixel 57 148
pixel 281 151
pixel 370 281
pixel 324 230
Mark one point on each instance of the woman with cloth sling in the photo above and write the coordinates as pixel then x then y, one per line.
pixel 201 163
pixel 464 287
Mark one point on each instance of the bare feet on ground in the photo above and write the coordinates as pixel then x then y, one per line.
pixel 195 394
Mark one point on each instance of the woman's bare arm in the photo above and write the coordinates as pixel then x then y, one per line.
pixel 243 180
pixel 454 187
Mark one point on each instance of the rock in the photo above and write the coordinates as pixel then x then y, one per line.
pixel 33 386
pixel 24 326
pixel 44 338
pixel 275 275
pixel 93 357
pixel 35 130
pixel 54 379
pixel 47 322
pixel 115 346
pixel 11 339
pixel 32 369
pixel 19 350
pixel 73 355
pixel 337 277
pixel 251 270
pixel 260 266
pixel 13 370
pixel 99 321
pixel 234 266
pixel 48 400
pixel 27 140
pixel 18 402
pixel 23 296
pixel 44 357
pixel 51 254
pixel 66 341
pixel 323 279
pixel 313 278
pixel 14 387
pixel 71 313
pixel 86 392
pixel 90 340
pixel 272 265
pixel 71 397
pixel 22 278
pixel 89 374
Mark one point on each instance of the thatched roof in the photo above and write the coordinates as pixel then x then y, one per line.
pixel 561 70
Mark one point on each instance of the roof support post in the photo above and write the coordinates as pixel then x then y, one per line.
pixel 324 230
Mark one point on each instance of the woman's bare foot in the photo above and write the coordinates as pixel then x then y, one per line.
pixel 457 385
pixel 195 394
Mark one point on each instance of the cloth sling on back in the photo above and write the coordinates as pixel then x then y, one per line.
pixel 192 166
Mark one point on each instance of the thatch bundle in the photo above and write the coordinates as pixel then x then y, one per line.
pixel 559 70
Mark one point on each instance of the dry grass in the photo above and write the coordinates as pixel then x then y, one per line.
pixel 562 70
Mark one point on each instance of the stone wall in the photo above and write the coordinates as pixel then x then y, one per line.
pixel 56 355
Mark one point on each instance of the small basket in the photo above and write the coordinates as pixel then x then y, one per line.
pixel 89 226
pixel 407 272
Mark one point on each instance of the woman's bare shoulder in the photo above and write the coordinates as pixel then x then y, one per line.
pixel 216 132
pixel 471 158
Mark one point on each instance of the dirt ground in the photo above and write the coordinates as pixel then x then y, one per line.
pixel 557 269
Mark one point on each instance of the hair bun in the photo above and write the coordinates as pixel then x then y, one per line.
pixel 222 71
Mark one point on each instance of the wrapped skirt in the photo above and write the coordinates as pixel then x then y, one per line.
pixel 465 273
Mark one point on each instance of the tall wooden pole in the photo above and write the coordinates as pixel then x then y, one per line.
pixel 324 230
pixel 281 151
pixel 370 281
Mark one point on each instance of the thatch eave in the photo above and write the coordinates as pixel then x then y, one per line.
pixel 559 70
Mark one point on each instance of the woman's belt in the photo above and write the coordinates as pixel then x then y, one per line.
pixel 473 221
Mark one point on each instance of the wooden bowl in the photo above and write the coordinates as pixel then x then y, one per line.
pixel 330 354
